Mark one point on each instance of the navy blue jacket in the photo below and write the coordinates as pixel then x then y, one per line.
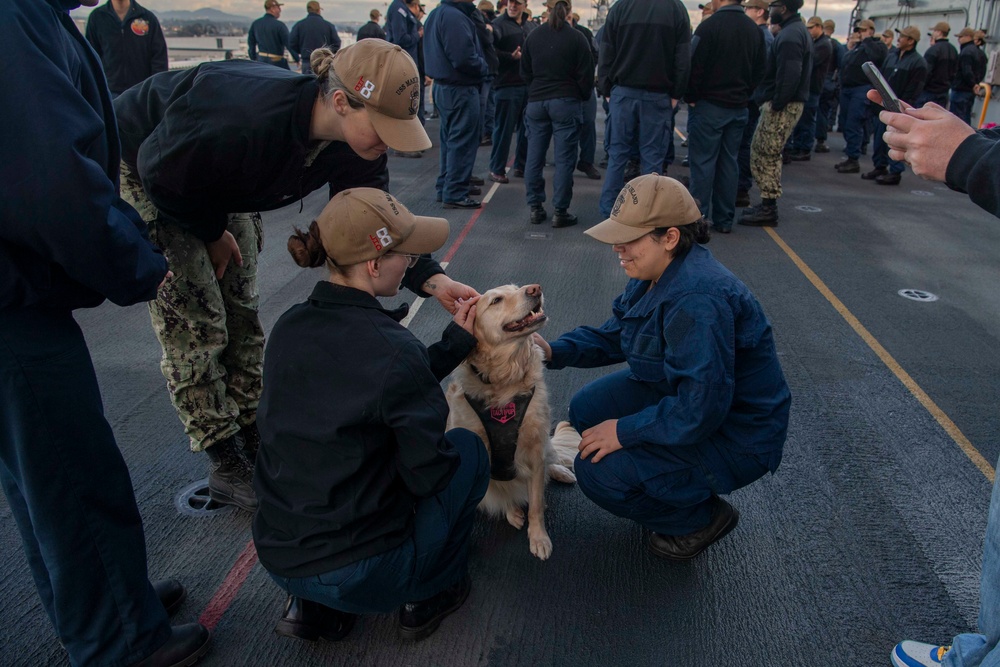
pixel 971 68
pixel 231 137
pixel 507 37
pixel 371 30
pixel 645 45
pixel 975 169
pixel 352 423
pixel 402 27
pixel 557 64
pixel 269 35
pixel 728 58
pixel 131 50
pixel 452 52
pixel 942 60
pixel 67 240
pixel 906 74
pixel 871 50
pixel 311 33
pixel 701 339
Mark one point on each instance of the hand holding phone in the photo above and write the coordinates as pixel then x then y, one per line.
pixel 889 99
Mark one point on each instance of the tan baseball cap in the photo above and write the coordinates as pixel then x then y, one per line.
pixel 966 32
pixel 271 3
pixel 866 24
pixel 313 7
pixel 366 223
pixel 888 33
pixel 814 22
pixel 942 27
pixel 756 4
pixel 911 31
pixel 551 4
pixel 384 77
pixel 829 25
pixel 644 204
pixel 980 35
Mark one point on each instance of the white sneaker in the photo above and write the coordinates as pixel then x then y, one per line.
pixel 917 654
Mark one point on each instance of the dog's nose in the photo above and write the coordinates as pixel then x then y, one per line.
pixel 533 290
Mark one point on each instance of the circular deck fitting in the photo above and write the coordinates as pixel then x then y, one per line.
pixel 808 209
pixel 917 295
pixel 922 193
pixel 194 500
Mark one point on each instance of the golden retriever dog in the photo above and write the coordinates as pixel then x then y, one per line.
pixel 501 384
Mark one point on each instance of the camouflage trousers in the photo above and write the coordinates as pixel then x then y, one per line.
pixel 772 132
pixel 209 329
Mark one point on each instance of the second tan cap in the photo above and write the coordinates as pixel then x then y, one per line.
pixel 644 204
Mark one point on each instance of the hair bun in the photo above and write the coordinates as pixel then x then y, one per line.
pixel 321 60
pixel 306 248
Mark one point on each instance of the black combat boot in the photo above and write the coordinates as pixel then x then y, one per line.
pixel 761 215
pixel 563 218
pixel 537 215
pixel 874 173
pixel 847 166
pixel 821 147
pixel 230 480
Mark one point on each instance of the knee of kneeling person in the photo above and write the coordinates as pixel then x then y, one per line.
pixel 470 447
pixel 581 413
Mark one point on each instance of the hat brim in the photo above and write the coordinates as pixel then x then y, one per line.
pixel 402 135
pixel 428 235
pixel 615 233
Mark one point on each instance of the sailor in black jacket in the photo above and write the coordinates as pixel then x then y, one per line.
pixel 366 503
pixel 942 62
pixel 906 71
pixel 203 151
pixel 970 72
pixel 311 33
pixel 781 95
pixel 863 46
pixel 131 48
pixel 805 131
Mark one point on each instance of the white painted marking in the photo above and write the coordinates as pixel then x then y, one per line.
pixel 922 193
pixel 416 305
pixel 809 209
pixel 489 195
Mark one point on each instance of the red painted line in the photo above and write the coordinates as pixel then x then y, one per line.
pixel 231 585
pixel 230 588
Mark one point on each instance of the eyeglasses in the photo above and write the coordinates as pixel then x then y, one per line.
pixel 411 260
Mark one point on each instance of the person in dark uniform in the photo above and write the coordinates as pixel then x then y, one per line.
pixel 702 407
pixel 368 507
pixel 757 10
pixel 863 46
pixel 588 130
pixel 198 179
pixel 942 60
pixel 971 71
pixel 311 33
pixel 906 71
pixel 829 99
pixel 889 38
pixel 804 134
pixel 68 241
pixel 558 68
pixel 509 32
pixel 129 41
pixel 268 37
pixel 372 30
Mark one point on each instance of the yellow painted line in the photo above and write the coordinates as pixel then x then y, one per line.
pixel 946 423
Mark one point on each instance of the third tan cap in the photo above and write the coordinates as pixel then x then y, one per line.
pixel 384 77
pixel 757 4
pixel 966 32
pixel 941 26
pixel 911 31
pixel 866 24
pixel 814 22
pixel 644 204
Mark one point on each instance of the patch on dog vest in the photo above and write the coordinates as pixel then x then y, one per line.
pixel 502 424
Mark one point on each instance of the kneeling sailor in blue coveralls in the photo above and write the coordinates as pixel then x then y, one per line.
pixel 702 408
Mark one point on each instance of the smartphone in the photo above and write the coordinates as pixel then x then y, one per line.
pixel 889 100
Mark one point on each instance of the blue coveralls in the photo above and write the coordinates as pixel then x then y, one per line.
pixel 702 408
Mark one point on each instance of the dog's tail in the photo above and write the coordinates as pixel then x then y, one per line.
pixel 565 444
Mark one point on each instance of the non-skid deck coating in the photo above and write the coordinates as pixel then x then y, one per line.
pixel 870 532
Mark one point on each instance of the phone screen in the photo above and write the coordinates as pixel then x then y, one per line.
pixel 889 99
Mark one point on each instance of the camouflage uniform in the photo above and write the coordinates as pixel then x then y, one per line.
pixel 772 132
pixel 212 339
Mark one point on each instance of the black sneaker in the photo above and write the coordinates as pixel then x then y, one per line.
pixel 590 170
pixel 185 646
pixel 474 190
pixel 847 166
pixel 761 215
pixel 517 173
pixel 821 147
pixel 230 478
pixel 562 218
pixel 537 215
pixel 799 156
pixel 171 593
pixel 874 173
pixel 463 203
pixel 475 180
pixel 685 547
pixel 308 620
pixel 418 620
pixel 889 179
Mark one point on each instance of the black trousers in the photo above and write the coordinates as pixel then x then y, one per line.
pixel 71 495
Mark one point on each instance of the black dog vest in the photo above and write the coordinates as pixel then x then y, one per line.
pixel 502 424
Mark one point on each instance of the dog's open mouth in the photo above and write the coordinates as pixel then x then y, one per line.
pixel 532 320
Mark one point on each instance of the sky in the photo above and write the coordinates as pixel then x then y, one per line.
pixel 357 10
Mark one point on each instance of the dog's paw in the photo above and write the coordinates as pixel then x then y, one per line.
pixel 515 517
pixel 561 473
pixel 541 546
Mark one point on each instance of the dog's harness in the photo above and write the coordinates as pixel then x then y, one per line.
pixel 502 424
